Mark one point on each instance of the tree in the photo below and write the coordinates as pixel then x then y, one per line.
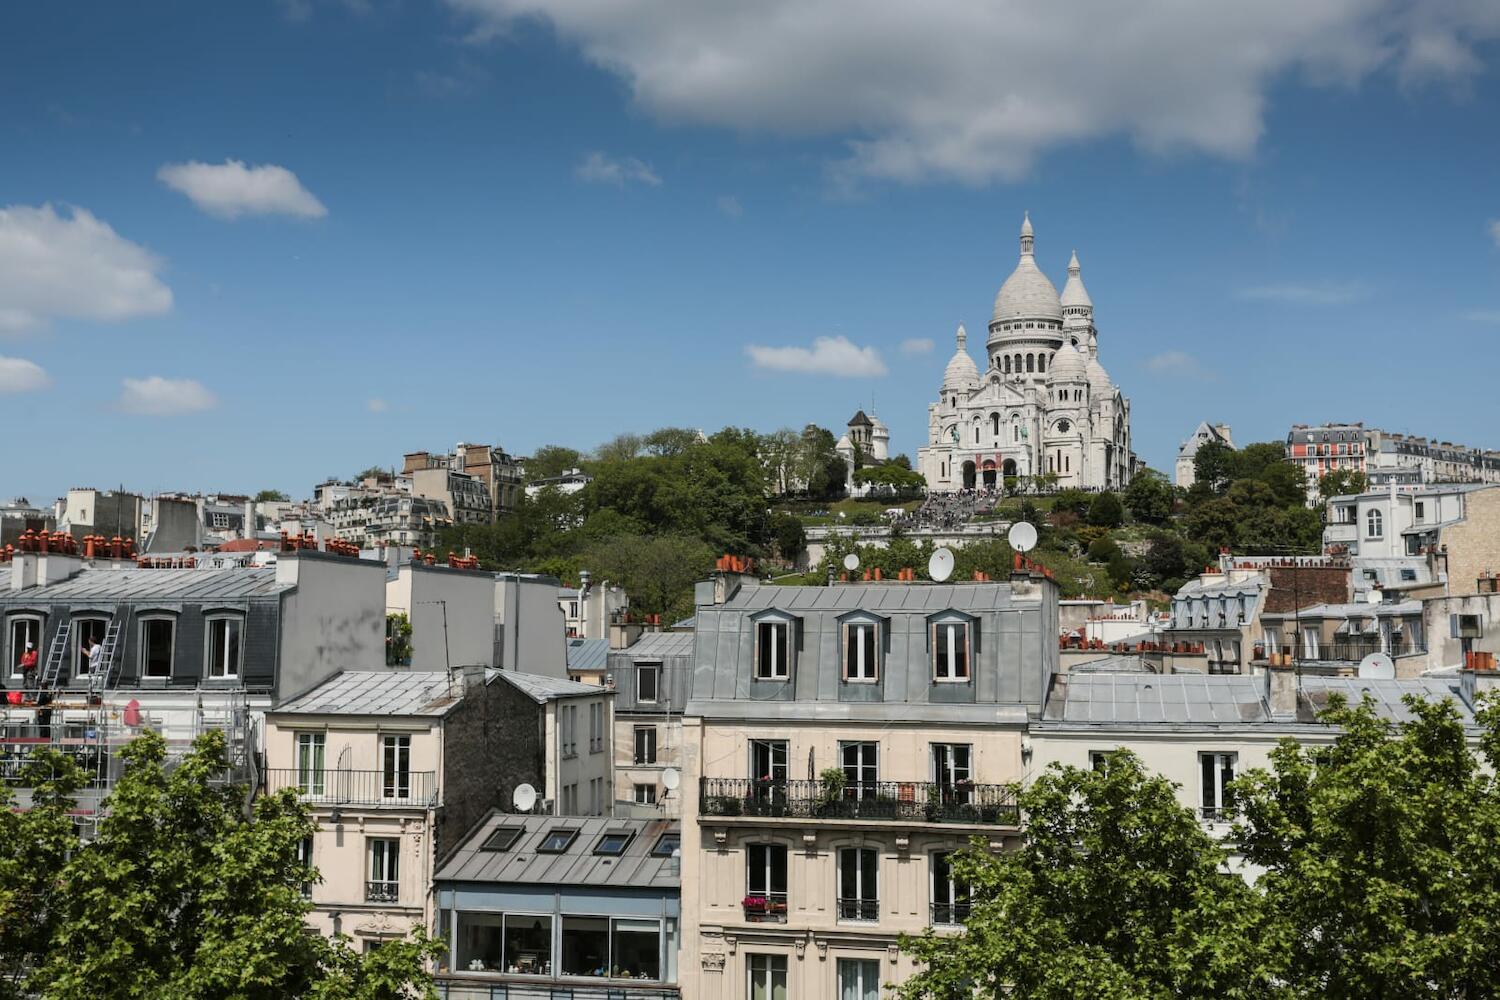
pixel 1341 483
pixel 620 448
pixel 1115 892
pixel 1214 467
pixel 1105 510
pixel 550 461
pixel 1149 498
pixel 791 538
pixel 657 573
pixel 373 472
pixel 182 894
pixel 669 441
pixel 1165 560
pixel 1072 501
pixel 1382 875
pixel 271 496
pixel 1103 549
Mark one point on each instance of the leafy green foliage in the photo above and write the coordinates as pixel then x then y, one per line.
pixel 271 496
pixel 1150 498
pixel 1116 892
pixel 1105 510
pixel 1341 482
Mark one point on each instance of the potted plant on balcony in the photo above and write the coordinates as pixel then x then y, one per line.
pixel 755 906
pixel 832 783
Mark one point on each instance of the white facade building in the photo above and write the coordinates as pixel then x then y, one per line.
pixel 1044 406
pixel 1185 473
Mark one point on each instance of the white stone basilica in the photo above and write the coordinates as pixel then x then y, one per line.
pixel 1044 406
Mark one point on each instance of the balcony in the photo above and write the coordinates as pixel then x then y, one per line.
pixel 949 914
pixel 887 801
pixel 391 790
pixel 765 907
pixel 857 908
pixel 382 892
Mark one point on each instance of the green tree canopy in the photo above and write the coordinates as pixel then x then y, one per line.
pixel 550 461
pixel 1115 892
pixel 1149 498
pixel 271 496
pixel 1340 483
pixel 1105 510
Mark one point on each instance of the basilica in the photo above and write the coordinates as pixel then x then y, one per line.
pixel 1044 410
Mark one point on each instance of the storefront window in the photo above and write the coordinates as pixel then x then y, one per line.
pixel 585 946
pixel 479 937
pixel 637 949
pixel 528 943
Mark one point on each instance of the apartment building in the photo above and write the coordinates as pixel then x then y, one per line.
pixel 1386 459
pixel 575 723
pixel 1457 528
pixel 87 511
pixel 839 743
pixel 482 483
pixel 651 683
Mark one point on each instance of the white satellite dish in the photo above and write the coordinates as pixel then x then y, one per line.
pixel 940 566
pixel 1377 666
pixel 1022 537
pixel 851 562
pixel 671 778
pixel 1374 597
pixel 523 798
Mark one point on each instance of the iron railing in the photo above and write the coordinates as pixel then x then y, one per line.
pixel 382 892
pixel 451 986
pixel 393 789
pixel 897 801
pixel 950 914
pixel 857 908
pixel 765 907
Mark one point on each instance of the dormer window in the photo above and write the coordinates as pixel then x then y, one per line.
pixel 951 641
pixel 773 649
pixel 862 650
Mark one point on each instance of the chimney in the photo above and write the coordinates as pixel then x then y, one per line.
pixel 1474 683
pixel 1281 690
pixel 249 530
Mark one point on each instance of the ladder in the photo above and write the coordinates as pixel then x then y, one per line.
pixel 102 674
pixel 55 656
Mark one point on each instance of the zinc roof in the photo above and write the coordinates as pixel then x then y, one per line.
pixel 1387 693
pixel 542 689
pixel 578 865
pixel 1156 698
pixel 161 584
pixel 587 654
pixel 376 692
pixel 872 597
pixel 661 644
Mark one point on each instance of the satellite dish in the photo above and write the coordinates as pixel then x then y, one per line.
pixel 1374 597
pixel 940 566
pixel 523 798
pixel 851 562
pixel 1022 537
pixel 671 778
pixel 1377 666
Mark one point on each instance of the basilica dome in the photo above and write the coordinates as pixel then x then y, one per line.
pixel 1027 293
pixel 1067 365
pixel 1099 379
pixel 961 372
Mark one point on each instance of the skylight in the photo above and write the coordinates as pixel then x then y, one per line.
pixel 502 839
pixel 557 840
pixel 613 842
pixel 667 846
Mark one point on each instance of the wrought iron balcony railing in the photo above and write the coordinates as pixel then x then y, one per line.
pixel 382 892
pixel 896 801
pixel 950 914
pixel 854 908
pixel 325 787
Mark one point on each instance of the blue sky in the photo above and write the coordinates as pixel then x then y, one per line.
pixel 499 225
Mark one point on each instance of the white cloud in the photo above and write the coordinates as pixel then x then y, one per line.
pixel 1495 231
pixel 1318 293
pixel 976 91
pixel 155 396
pixel 730 205
pixel 1180 365
pixel 378 405
pixel 72 267
pixel 20 375
pixel 597 168
pixel 827 356
pixel 231 189
pixel 917 345
pixel 1490 316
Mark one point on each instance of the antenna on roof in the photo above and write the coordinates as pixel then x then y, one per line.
pixel 940 566
pixel 523 798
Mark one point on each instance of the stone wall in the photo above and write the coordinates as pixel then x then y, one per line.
pixel 492 742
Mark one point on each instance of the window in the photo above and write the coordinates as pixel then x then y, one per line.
pixel 596 796
pixel 950 897
pixel 570 800
pixel 1374 524
pixel 585 946
pixel 1419 506
pixel 384 885
pixel 1098 760
pixel 613 842
pixel 156 646
pixel 569 726
pixel 558 840
pixel 645 744
pixel 773 648
pixel 668 845
pixel 647 676
pixel 950 652
pixel 23 634
pixel 310 748
pixel 87 632
pixel 305 859
pixel 768 760
pixel 767 977
pixel 861 656
pixel 224 647
pixel 502 838
pixel 861 769
pixel 950 764
pixel 859 979
pixel 765 874
pixel 635 948
pixel 859 883
pixel 1310 643
pixel 1218 772
pixel 395 767
pixel 596 727
pixel 644 795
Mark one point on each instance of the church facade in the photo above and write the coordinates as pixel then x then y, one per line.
pixel 1043 410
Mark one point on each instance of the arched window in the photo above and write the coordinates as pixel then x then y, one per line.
pixel 1007 364
pixel 976 432
pixel 1018 364
pixel 995 424
pixel 1067 464
pixel 1015 431
pixel 1375 527
pixel 1030 362
pixel 1041 362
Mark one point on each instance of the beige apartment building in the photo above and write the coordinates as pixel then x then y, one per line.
pixel 839 743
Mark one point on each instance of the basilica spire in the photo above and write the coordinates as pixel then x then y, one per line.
pixel 1027 241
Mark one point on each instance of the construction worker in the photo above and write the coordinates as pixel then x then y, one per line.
pixel 28 666
pixel 95 656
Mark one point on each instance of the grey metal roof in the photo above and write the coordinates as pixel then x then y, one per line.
pixel 656 645
pixel 578 865
pixel 1154 698
pixel 875 597
pixel 587 654
pixel 1197 588
pixel 1387 694
pixel 542 689
pixel 159 584
pixel 376 692
pixel 1115 663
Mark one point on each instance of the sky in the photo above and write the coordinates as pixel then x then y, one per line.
pixel 254 245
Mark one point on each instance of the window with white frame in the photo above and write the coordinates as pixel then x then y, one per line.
pixel 384 884
pixel 950 652
pixel 950 896
pixel 773 649
pixel 305 859
pixel 568 723
pixel 596 727
pixel 310 761
pixel 224 646
pixel 861 652
pixel 767 974
pixel 88 635
pixel 645 744
pixel 647 681
pixel 765 873
pixel 645 795
pixel 768 760
pixel 951 764
pixel 1217 772
pixel 1374 524
pixel 859 979
pixel 395 767
pixel 157 640
pixel 859 884
pixel 861 764
pixel 23 633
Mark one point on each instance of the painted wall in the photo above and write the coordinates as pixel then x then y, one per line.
pixel 333 620
pixel 439 600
